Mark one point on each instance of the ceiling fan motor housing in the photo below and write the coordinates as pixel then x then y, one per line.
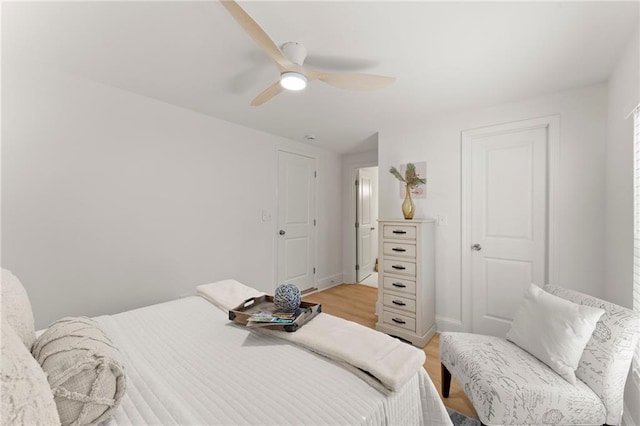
pixel 295 52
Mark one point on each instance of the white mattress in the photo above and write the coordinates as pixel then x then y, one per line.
pixel 187 364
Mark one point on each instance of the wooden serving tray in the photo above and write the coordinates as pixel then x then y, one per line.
pixel 254 305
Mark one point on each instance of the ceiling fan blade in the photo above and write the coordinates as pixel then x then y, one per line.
pixel 257 34
pixel 356 81
pixel 267 94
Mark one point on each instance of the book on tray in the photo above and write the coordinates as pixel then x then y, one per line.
pixel 268 318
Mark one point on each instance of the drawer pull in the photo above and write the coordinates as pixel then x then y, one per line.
pixel 398 231
pixel 399 321
pixel 399 303
pixel 400 267
pixel 399 285
pixel 400 249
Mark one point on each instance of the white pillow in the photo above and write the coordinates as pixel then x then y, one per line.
pixel 83 369
pixel 26 396
pixel 16 308
pixel 553 330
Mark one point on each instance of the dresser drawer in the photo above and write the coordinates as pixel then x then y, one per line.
pixel 399 267
pixel 399 232
pixel 401 303
pixel 399 285
pixel 399 320
pixel 399 249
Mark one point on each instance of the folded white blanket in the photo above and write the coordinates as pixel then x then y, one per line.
pixel 391 362
pixel 227 294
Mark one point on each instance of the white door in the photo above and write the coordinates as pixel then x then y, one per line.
pixel 507 219
pixel 364 226
pixel 296 220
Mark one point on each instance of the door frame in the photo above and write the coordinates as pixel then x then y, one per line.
pixel 350 273
pixel 276 221
pixel 552 125
pixel 358 230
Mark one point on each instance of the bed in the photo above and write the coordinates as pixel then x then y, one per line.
pixel 185 363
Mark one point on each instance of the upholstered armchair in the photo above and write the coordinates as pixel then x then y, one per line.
pixel 509 386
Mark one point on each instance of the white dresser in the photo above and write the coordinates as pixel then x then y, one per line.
pixel 406 279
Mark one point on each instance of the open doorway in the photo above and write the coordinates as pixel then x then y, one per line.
pixel 367 226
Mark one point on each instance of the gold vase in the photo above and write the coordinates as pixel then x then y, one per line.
pixel 408 208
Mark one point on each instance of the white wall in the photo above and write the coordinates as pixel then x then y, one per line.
pixel 329 229
pixel 624 95
pixel 350 164
pixel 112 201
pixel 580 185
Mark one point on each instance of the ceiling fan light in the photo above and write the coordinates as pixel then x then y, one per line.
pixel 292 80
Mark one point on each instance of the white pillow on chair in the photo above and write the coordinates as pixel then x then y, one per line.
pixel 554 330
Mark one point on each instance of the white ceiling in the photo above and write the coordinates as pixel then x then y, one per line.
pixel 445 55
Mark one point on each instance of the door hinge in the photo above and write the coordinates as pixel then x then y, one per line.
pixel 357 225
pixel 315 174
pixel 314 222
pixel 357 183
pixel 314 271
pixel 357 267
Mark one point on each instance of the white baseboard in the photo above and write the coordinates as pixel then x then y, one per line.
pixel 328 282
pixel 448 324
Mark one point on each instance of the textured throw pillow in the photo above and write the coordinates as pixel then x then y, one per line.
pixel 16 308
pixel 553 330
pixel 83 368
pixel 26 395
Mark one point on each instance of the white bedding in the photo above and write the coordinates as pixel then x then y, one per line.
pixel 187 364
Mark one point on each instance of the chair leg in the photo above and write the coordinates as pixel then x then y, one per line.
pixel 446 381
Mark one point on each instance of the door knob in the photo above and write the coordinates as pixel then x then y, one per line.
pixel 282 232
pixel 476 247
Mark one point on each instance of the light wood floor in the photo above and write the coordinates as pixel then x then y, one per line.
pixel 356 302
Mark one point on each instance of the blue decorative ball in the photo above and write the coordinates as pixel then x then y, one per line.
pixel 287 298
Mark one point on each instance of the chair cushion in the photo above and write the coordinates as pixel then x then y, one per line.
pixel 606 359
pixel 507 385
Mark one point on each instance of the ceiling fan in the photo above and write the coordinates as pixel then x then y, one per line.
pixel 289 60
